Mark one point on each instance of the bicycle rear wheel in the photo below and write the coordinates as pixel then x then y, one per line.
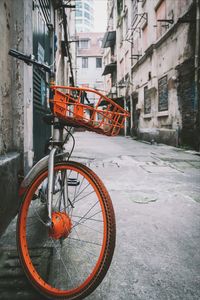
pixel 69 260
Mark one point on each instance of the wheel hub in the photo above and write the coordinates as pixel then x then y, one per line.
pixel 61 225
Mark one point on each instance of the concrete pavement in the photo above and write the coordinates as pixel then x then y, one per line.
pixel 155 191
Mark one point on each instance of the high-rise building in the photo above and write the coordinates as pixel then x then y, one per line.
pixel 84 15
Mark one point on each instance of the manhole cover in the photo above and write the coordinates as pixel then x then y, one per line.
pixel 143 199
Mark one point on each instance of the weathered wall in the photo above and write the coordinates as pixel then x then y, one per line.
pixel 186 92
pixel 9 200
pixel 186 96
pixel 6 135
pixel 167 52
pixel 162 126
pixel 15 104
pixel 154 39
pixel 9 161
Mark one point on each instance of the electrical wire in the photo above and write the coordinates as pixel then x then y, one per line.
pixel 73 139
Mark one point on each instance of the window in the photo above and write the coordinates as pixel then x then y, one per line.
pixel 119 6
pixel 127 62
pixel 86 6
pixel 78 13
pixel 162 94
pixel 98 62
pixel 145 37
pixel 147 101
pixel 126 23
pixel 84 44
pixel 134 11
pixel 87 22
pixel 161 15
pixel 121 34
pixel 78 4
pixel 79 22
pixel 84 62
pixel 87 15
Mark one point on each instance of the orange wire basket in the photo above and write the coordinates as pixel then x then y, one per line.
pixel 105 116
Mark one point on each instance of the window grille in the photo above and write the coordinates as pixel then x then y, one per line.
pixel 98 62
pixel 147 101
pixel 162 94
pixel 84 62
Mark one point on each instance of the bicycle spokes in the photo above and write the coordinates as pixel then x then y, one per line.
pixel 76 235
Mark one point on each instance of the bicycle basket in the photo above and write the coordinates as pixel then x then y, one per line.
pixel 105 116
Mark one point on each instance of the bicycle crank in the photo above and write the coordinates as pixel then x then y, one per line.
pixel 61 225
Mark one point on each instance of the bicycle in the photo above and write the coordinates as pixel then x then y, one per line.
pixel 66 211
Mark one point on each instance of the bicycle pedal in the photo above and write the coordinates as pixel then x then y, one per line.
pixel 73 182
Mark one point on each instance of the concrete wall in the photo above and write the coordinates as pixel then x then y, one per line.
pixel 9 202
pixel 170 50
pixel 159 49
pixel 15 104
pixel 161 62
pixel 6 134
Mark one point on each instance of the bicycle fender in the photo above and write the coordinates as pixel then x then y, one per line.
pixel 36 169
pixel 41 164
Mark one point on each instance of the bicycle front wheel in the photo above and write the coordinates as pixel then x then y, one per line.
pixel 70 259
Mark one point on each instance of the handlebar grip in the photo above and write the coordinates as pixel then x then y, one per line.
pixel 28 60
pixel 18 54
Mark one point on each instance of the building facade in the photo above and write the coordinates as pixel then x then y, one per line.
pixel 157 67
pixel 90 61
pixel 40 28
pixel 84 15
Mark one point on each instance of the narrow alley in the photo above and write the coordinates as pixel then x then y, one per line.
pixel 129 69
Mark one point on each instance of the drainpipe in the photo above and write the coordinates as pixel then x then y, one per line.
pixel 196 63
pixel 67 45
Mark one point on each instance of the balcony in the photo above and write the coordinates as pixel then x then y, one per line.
pixel 110 68
pixel 109 39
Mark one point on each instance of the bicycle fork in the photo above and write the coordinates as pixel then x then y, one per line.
pixel 57 139
pixel 50 187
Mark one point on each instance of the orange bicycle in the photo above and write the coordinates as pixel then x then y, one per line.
pixel 66 213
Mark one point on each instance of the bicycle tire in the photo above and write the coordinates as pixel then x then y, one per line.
pixel 27 243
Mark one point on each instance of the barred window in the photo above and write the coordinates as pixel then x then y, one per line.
pixel 160 15
pixel 98 62
pixel 162 94
pixel 147 101
pixel 83 44
pixel 84 62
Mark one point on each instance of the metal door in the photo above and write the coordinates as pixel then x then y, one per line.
pixel 42 45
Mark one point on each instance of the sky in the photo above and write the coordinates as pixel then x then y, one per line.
pixel 100 15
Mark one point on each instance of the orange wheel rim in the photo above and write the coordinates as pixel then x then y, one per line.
pixel 24 251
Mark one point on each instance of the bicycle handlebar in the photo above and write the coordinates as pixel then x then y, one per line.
pixel 29 59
